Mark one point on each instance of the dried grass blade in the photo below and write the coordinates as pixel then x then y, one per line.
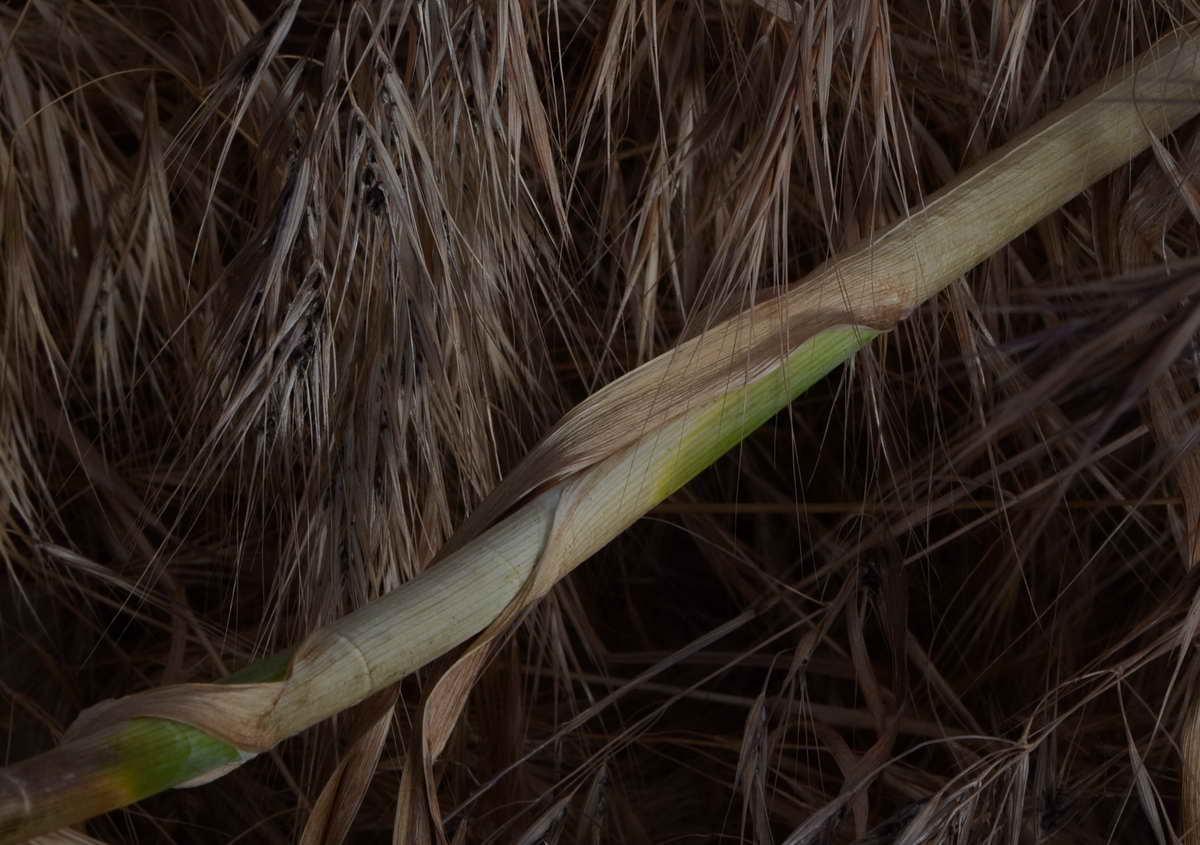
pixel 333 813
pixel 614 457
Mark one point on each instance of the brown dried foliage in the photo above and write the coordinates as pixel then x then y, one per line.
pixel 287 290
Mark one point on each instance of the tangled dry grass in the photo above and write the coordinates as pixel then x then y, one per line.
pixel 288 288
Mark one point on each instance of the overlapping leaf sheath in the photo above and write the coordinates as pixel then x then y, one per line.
pixel 607 463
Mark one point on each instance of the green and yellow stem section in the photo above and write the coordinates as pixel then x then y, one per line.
pixel 135 758
pixel 695 402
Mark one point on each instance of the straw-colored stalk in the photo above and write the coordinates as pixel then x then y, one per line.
pixel 612 459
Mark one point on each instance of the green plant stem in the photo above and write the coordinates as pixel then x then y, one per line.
pixel 144 756
pixel 382 642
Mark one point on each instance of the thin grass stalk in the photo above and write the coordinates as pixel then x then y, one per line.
pixel 120 752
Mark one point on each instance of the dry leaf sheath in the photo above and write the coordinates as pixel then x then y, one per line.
pixel 610 460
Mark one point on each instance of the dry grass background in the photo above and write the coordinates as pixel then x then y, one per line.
pixel 286 290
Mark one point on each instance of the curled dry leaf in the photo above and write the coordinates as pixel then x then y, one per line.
pixel 638 440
